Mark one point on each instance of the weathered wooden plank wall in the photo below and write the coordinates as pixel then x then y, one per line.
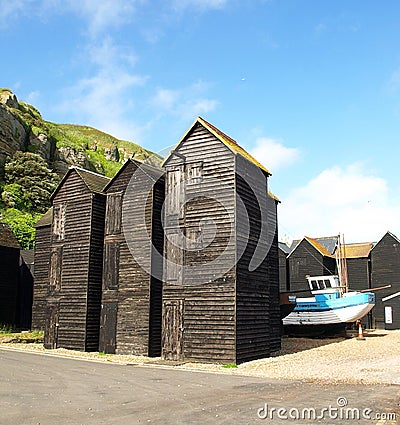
pixel 385 270
pixel 133 220
pixel 208 304
pixel 41 273
pixel 75 262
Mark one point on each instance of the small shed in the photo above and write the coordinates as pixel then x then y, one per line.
pixel 283 252
pixel 133 251
pixel 385 270
pixel 41 270
pixel 25 289
pixel 9 270
pixel 76 261
pixel 221 273
pixel 310 256
pixel 391 305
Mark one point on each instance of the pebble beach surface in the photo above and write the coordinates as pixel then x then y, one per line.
pixel 375 360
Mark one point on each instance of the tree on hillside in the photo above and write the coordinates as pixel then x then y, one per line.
pixel 22 225
pixel 29 182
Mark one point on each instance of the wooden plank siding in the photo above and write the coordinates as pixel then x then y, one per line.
pixel 41 276
pixel 359 278
pixel 132 270
pixel 74 289
pixel 385 270
pixel 304 260
pixel 224 307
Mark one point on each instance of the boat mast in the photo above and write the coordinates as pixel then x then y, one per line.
pixel 341 262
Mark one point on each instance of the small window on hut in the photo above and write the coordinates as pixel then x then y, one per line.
pixel 59 221
pixel 113 213
pixel 111 266
pixel 55 268
pixel 194 172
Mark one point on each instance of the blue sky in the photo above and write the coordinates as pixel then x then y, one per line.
pixel 311 88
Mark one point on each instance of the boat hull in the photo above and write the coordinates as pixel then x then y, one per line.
pixel 330 316
pixel 321 310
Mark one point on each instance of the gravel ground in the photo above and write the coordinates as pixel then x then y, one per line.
pixel 375 360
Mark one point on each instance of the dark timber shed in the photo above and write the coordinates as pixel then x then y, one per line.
pixel 76 260
pixel 385 261
pixel 221 277
pixel 9 267
pixel 283 251
pixel 133 248
pixel 41 270
pixel 310 256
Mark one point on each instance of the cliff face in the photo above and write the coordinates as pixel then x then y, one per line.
pixel 61 145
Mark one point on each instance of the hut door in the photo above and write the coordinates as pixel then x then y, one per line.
pixel 172 339
pixel 51 327
pixel 108 328
pixel 175 195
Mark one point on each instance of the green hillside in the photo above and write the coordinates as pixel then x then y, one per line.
pixel 35 154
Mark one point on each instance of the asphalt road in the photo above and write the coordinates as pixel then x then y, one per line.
pixel 38 389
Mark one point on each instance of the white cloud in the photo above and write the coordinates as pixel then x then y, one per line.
pixel 186 102
pixel 199 4
pixel 9 10
pixel 394 81
pixel 273 154
pixel 349 200
pixel 104 99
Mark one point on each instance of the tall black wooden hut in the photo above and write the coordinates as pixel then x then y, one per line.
pixel 41 270
pixel 310 256
pixel 221 277
pixel 385 262
pixel 76 260
pixel 133 247
pixel 9 268
pixel 391 305
pixel 283 252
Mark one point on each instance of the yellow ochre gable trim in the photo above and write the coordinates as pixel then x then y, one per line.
pixel 230 143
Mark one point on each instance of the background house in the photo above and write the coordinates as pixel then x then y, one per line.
pixel 385 262
pixel 310 256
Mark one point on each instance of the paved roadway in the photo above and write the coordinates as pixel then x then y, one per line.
pixel 49 390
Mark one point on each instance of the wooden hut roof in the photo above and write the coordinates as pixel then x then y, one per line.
pixel 153 172
pixel 358 250
pixel 28 255
pixel 273 196
pixel 389 234
pixel 46 219
pixel 230 143
pixel 284 247
pixel 95 182
pixel 7 237
pixel 325 246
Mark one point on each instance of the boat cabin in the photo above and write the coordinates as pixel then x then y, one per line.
pixel 324 284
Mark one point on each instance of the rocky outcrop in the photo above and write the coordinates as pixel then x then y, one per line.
pixel 66 156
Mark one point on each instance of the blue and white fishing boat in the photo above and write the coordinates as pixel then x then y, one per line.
pixel 331 303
